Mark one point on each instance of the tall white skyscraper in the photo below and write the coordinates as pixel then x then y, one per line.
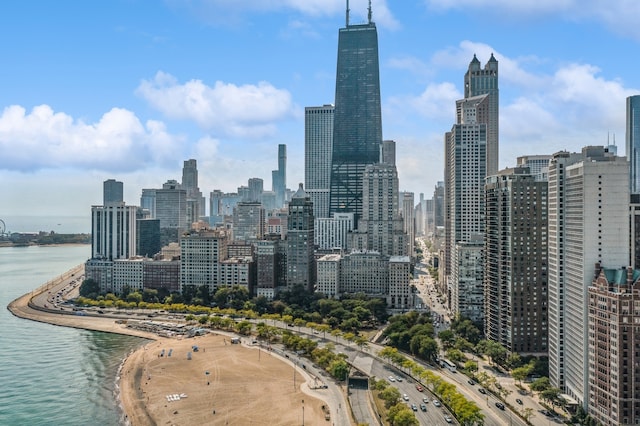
pixel 588 224
pixel 113 231
pixel 318 145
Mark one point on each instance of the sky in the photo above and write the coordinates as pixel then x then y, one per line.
pixel 130 89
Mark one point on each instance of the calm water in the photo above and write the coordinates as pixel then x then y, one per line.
pixel 53 375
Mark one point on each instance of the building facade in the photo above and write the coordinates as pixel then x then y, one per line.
pixel 515 263
pixel 318 147
pixel 588 219
pixel 358 118
pixel 301 267
pixel 614 339
pixel 113 231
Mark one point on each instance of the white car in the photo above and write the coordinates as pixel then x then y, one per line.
pixel 392 379
pixel 447 419
pixel 405 397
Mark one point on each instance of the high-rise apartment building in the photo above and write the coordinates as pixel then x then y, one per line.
pixel 248 221
pixel 408 217
pixel 279 177
pixel 112 192
pixel 515 261
pixel 538 165
pixel 381 227
pixel 200 255
pixel 301 267
pixel 113 231
pixel 614 339
pixel 465 172
pixel 332 233
pixel 318 146
pixel 588 210
pixel 484 81
pixel 358 118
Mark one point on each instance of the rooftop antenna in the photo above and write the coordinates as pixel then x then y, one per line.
pixel 370 13
pixel 347 13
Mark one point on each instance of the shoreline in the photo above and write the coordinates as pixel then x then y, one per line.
pixel 130 389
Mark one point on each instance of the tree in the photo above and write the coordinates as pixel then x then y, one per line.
pixel 339 369
pixel 540 384
pixel 390 396
pixel 447 337
pixel 471 366
pixel 527 414
pixel 552 395
pixel 90 288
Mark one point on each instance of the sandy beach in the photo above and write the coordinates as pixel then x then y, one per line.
pixel 244 385
pixel 221 384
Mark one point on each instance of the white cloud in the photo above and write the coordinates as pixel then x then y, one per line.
pixel 247 111
pixel 620 16
pixel 43 139
pixel 437 101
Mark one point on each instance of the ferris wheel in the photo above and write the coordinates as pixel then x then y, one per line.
pixel 3 227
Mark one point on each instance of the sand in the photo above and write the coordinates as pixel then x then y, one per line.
pixel 243 386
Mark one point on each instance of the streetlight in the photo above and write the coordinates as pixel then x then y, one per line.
pixel 303 412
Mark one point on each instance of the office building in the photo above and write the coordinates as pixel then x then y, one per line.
pixel 588 210
pixel 614 339
pixel 301 267
pixel 357 131
pixel 112 192
pixel 148 201
pixel 195 201
pixel 318 146
pixel 484 81
pixel 408 217
pixel 632 137
pixel 256 188
pixel 148 241
pixel 171 207
pixel 515 261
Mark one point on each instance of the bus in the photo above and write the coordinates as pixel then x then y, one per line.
pixel 445 363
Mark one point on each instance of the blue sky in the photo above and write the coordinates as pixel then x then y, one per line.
pixel 129 89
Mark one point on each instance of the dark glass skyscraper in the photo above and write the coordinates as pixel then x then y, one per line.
pixel 357 133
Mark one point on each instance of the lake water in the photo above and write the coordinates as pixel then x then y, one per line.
pixel 52 375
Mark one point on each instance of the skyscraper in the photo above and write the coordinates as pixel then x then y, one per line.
pixel 112 192
pixel 301 267
pixel 279 177
pixel 484 81
pixel 515 262
pixel 195 200
pixel 633 142
pixel 357 131
pixel 588 224
pixel 318 145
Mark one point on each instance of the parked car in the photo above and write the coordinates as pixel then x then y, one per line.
pixel 436 403
pixel 405 397
pixel 482 391
pixel 471 382
pixel 448 419
pixel 419 388
pixel 500 405
pixel 414 407
pixel 519 401
pixel 423 407
pixel 392 379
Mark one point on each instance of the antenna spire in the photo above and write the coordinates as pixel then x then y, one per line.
pixel 370 13
pixel 347 13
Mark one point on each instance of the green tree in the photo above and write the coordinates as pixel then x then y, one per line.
pixel 540 384
pixel 339 369
pixel 447 338
pixel 90 288
pixel 390 396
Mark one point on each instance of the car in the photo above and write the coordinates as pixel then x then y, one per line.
pixel 546 413
pixel 436 403
pixel 414 407
pixel 519 401
pixel 419 388
pixel 392 379
pixel 423 407
pixel 482 391
pixel 405 397
pixel 448 419
pixel 425 400
pixel 471 382
pixel 398 378
pixel 500 405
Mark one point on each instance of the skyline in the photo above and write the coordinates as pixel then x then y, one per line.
pixel 127 91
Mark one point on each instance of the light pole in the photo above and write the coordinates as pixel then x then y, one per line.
pixel 303 412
